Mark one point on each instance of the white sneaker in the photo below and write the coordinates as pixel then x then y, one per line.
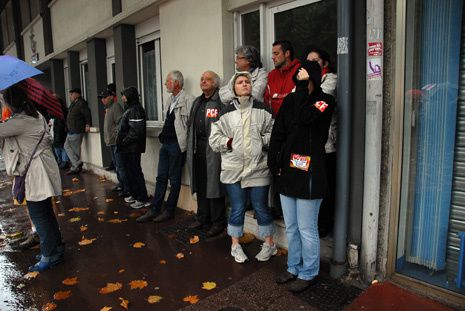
pixel 129 199
pixel 238 254
pixel 137 204
pixel 266 252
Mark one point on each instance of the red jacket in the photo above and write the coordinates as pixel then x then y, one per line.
pixel 280 84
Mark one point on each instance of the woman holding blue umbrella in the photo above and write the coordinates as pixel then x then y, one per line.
pixel 26 146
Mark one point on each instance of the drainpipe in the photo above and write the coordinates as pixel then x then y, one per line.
pixel 344 36
pixel 373 135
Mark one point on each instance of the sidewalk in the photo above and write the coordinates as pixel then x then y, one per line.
pixel 157 260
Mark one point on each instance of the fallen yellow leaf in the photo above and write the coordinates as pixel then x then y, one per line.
pixel 281 252
pixel 86 241
pixel 31 275
pixel 14 235
pixel 100 213
pixel 100 219
pixel 75 179
pixel 154 299
pixel 102 179
pixel 83 228
pixel 162 262
pixel 79 190
pixel 138 284
pixel 70 281
pixel 208 285
pixel 108 200
pixel 195 239
pixel 116 212
pixel 138 245
pixel 61 214
pixel 117 221
pixel 106 308
pixel 247 238
pixel 121 270
pixel 78 209
pixel 191 299
pixel 110 288
pixel 49 306
pixel 57 202
pixel 124 303
pixel 179 255
pixel 75 219
pixel 62 295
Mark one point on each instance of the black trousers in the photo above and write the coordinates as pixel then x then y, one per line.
pixel 210 211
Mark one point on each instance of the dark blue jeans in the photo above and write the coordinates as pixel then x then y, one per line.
pixel 46 224
pixel 120 172
pixel 170 166
pixel 135 176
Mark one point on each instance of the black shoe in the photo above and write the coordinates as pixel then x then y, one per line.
pixel 196 225
pixel 285 277
pixel 300 285
pixel 117 189
pixel 164 217
pixel 214 231
pixel 146 217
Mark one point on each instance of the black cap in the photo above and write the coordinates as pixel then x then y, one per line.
pixel 75 90
pixel 106 93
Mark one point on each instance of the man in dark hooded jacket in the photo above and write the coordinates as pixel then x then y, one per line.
pixel 130 143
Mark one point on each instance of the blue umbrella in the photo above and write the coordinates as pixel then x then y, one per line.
pixel 13 70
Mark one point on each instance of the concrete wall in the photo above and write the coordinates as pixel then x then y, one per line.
pixel 90 149
pixel 37 30
pixel 69 27
pixel 11 50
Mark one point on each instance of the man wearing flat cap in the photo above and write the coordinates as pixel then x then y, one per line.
pixel 113 113
pixel 78 122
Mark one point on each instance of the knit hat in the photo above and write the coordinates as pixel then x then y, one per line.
pixel 237 75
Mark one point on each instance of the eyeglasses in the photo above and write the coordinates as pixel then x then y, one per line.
pixel 240 57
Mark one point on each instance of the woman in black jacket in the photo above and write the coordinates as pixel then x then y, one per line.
pixel 297 159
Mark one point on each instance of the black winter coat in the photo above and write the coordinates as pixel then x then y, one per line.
pixel 301 128
pixel 78 116
pixel 132 131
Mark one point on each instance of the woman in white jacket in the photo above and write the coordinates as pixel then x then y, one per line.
pixel 242 134
pixel 19 136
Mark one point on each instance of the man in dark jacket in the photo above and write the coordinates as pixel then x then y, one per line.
pixel 204 164
pixel 130 144
pixel 78 122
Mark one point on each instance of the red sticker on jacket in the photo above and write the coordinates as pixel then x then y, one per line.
pixel 212 113
pixel 301 162
pixel 321 105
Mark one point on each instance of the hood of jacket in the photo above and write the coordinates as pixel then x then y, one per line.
pixel 132 96
pixel 240 74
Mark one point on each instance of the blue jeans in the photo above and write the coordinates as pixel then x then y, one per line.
pixel 259 199
pixel 135 176
pixel 43 218
pixel 301 219
pixel 62 157
pixel 119 168
pixel 170 163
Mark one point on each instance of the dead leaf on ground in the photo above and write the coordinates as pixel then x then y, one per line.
pixel 31 275
pixel 106 308
pixel 281 252
pixel 108 200
pixel 208 285
pixel 100 219
pixel 49 306
pixel 102 179
pixel 79 190
pixel 138 245
pixel 70 281
pixel 86 241
pixel 57 202
pixel 194 240
pixel 124 303
pixel 179 255
pixel 116 212
pixel 83 228
pixel 74 219
pixel 191 299
pixel 78 209
pixel 117 220
pixel 100 213
pixel 61 214
pixel 110 288
pixel 14 235
pixel 162 262
pixel 121 270
pixel 62 295
pixel 140 284
pixel 247 238
pixel 135 214
pixel 75 179
pixel 154 299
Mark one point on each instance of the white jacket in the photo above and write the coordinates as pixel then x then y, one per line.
pixel 328 85
pixel 249 125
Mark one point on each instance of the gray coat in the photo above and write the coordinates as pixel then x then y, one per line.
pixel 214 187
pixel 18 138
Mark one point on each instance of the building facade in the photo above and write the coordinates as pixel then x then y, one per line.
pixel 401 201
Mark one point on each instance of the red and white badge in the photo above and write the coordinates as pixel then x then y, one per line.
pixel 212 113
pixel 321 105
pixel 301 162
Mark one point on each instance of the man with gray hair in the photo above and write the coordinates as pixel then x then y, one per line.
pixel 247 59
pixel 204 164
pixel 173 138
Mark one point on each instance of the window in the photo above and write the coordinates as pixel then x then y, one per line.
pixel 29 10
pixel 84 79
pixel 150 81
pixel 250 29
pixel 6 18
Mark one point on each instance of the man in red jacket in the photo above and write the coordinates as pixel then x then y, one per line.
pixel 280 81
